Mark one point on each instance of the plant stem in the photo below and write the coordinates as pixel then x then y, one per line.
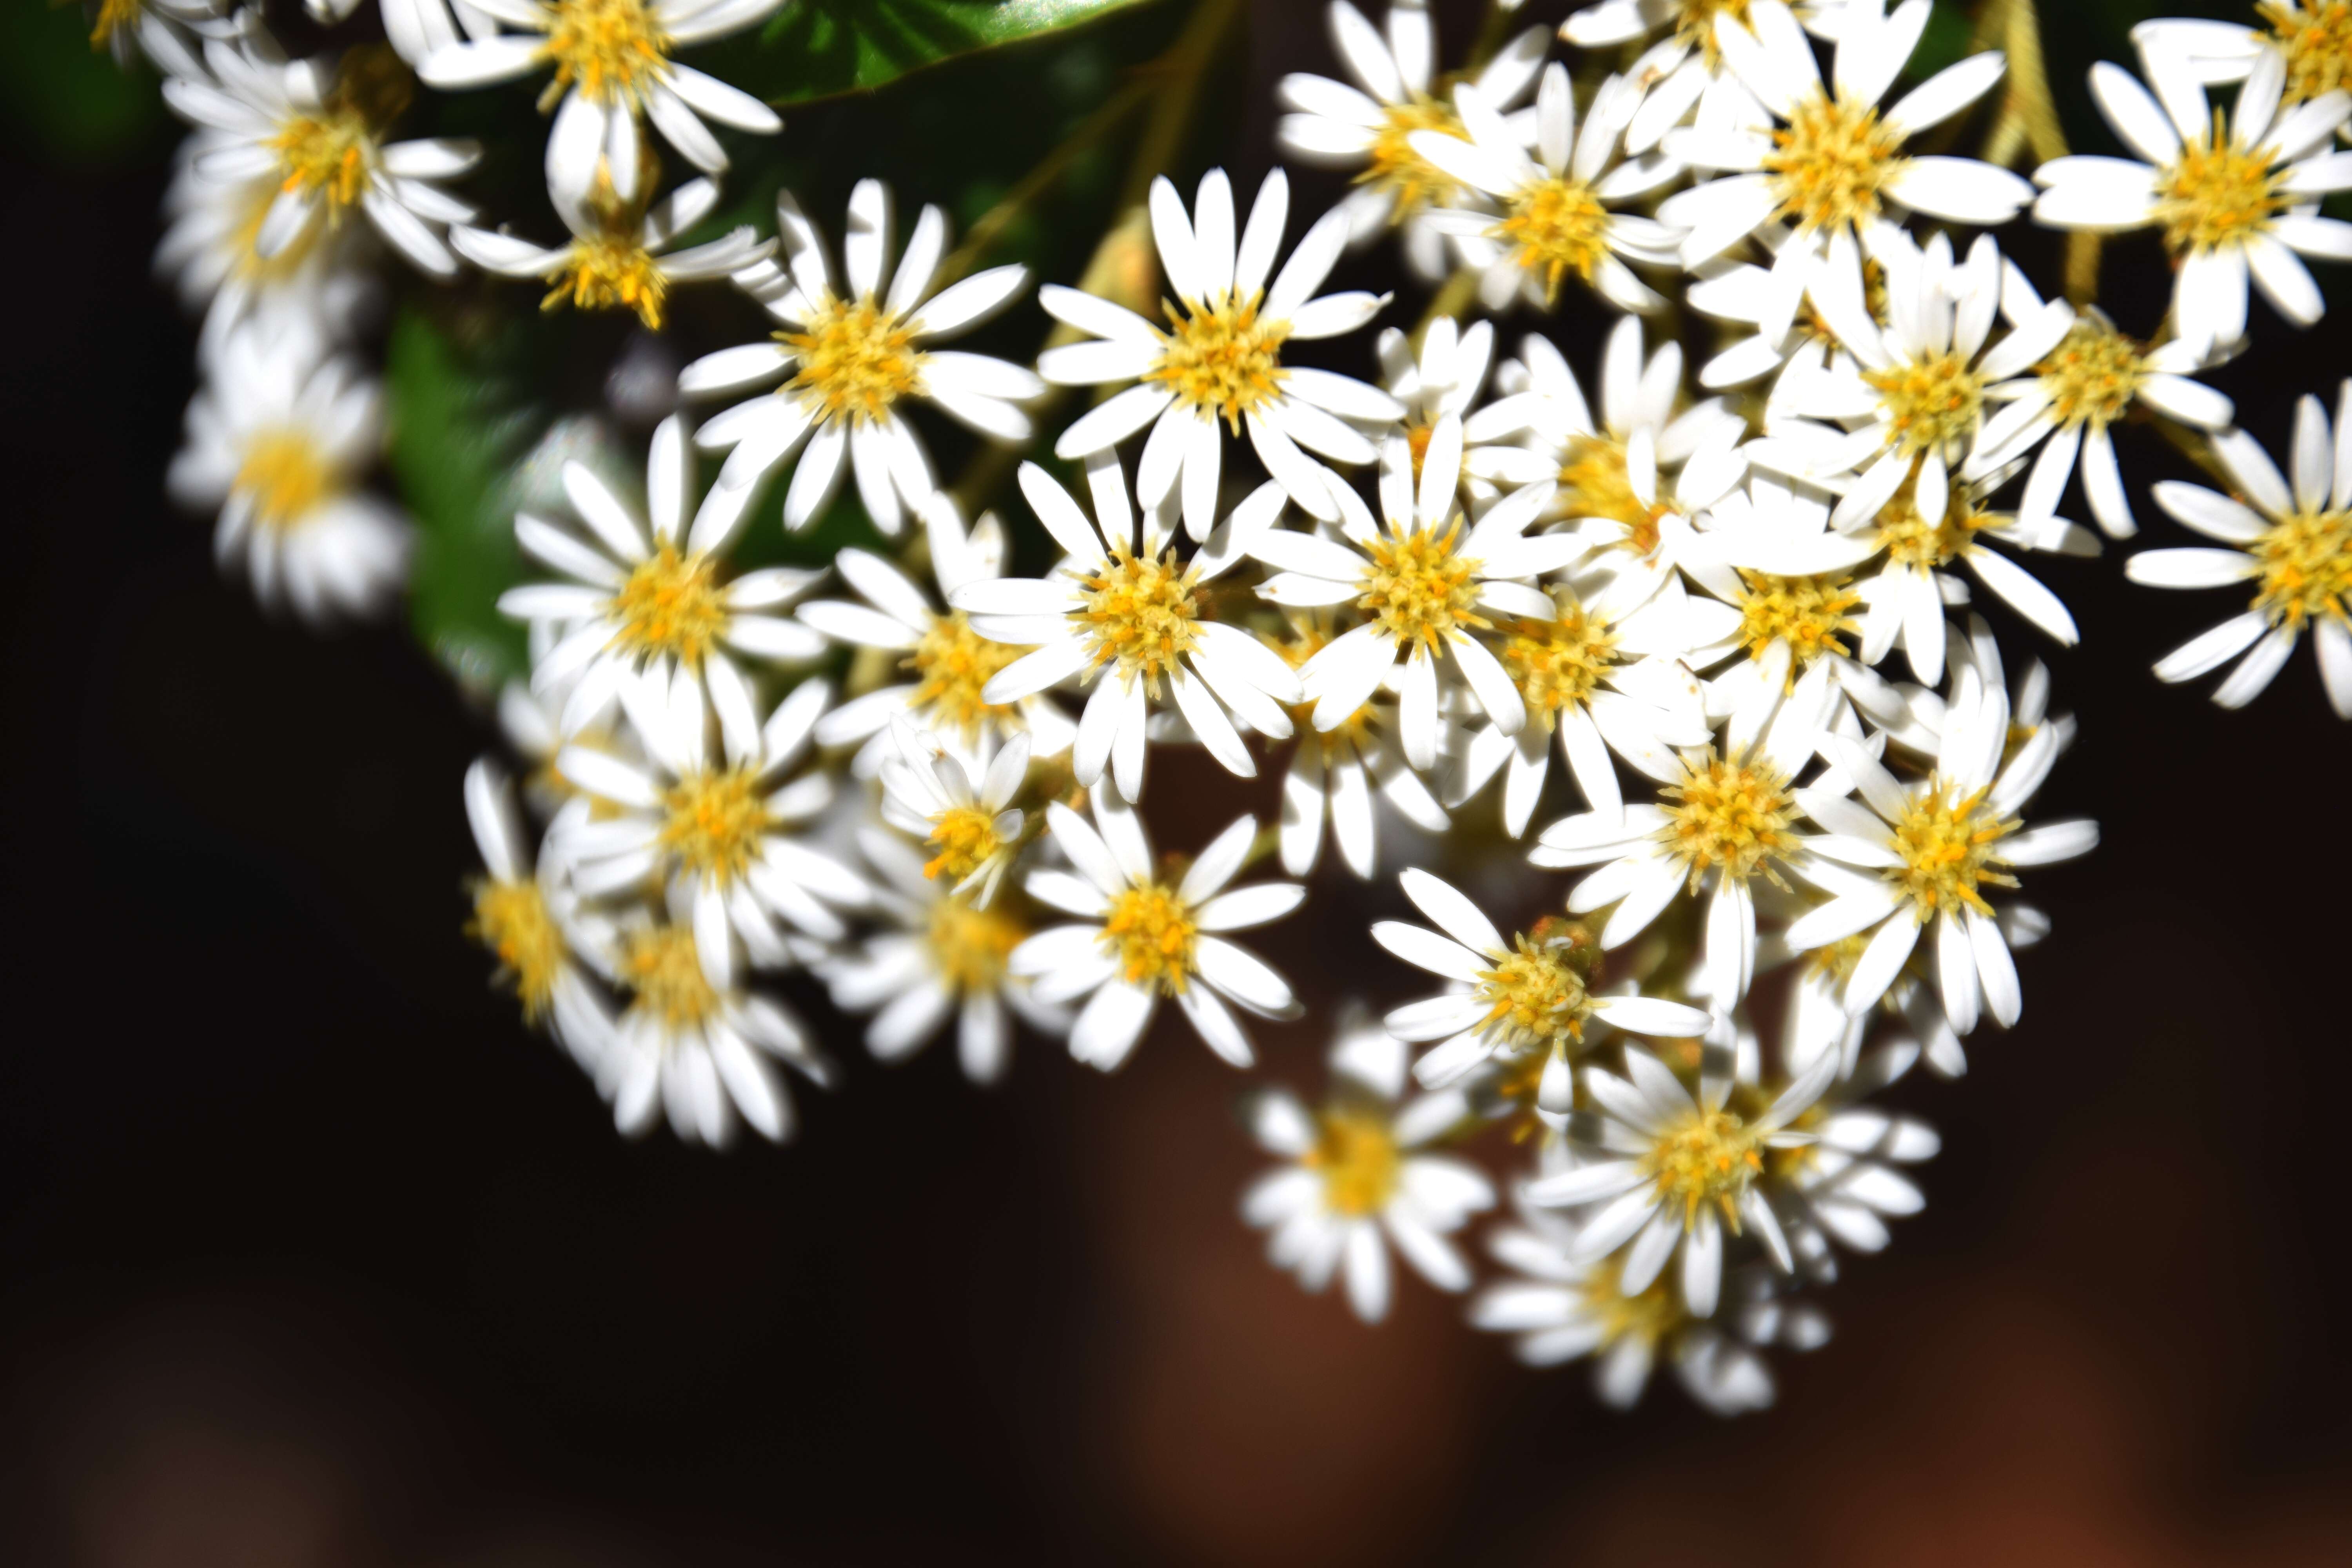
pixel 1039 179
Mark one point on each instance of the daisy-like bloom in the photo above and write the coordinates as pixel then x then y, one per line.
pixel 209 252
pixel 1146 934
pixel 701 1047
pixel 533 922
pixel 1674 1173
pixel 2313 42
pixel 1555 220
pixel 645 608
pixel 2075 393
pixel 1936 846
pixel 951 662
pixel 619 257
pixel 1726 819
pixel 2231 193
pixel 1221 356
pixel 2294 545
pixel 1845 1186
pixel 1333 772
pixel 710 829
pixel 612 64
pixel 937 956
pixel 1509 998
pixel 973 830
pixel 280 436
pixel 1124 611
pixel 1358 1170
pixel 1421 581
pixel 1830 161
pixel 853 362
pixel 317 130
pixel 1370 130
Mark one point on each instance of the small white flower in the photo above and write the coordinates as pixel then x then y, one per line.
pixel 1357 1173
pixel 2231 195
pixel 1555 218
pixel 1845 1186
pixel 1142 938
pixel 975 829
pixel 619 257
pixel 532 921
pixel 938 956
pixel 279 437
pixel 851 361
pixel 312 132
pixel 1221 357
pixel 2313 40
pixel 1506 998
pixel 1337 126
pixel 612 64
pixel 2294 545
pixel 645 608
pixel 1122 611
pixel 1333 772
pixel 710 829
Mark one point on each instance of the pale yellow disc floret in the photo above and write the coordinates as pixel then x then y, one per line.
pixel 1595 482
pixel 1222 359
pixel 609 49
pixel 1418 589
pixel 1811 614
pixel 1141 613
pixel 1702 1158
pixel 1357 1158
pixel 712 820
pixel 2091 376
pixel 1695 27
pixel 1150 932
pixel 2306 569
pixel 327 155
pixel 287 476
pixel 2317 43
pixel 1559 663
pixel 1947 841
pixel 952 664
pixel 1734 816
pixel 671 606
pixel 1646 1317
pixel 1912 541
pixel 662 970
pixel 965 839
pixel 1395 166
pixel 857 359
pixel 1554 226
pixel 1534 994
pixel 1830 162
pixel 611 271
pixel 1931 402
pixel 2216 195
pixel 969 947
pixel 511 920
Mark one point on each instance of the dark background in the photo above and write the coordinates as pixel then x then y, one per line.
pixel 308 1254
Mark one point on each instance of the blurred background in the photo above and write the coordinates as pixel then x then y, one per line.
pixel 311 1255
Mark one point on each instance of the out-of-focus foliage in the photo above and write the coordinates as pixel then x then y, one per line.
pixel 818 49
pixel 66 96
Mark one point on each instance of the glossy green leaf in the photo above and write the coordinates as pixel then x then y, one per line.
pixel 820 48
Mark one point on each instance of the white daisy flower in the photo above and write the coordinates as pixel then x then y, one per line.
pixel 1421 581
pixel 645 608
pixel 1333 772
pixel 851 361
pixel 951 662
pixel 1142 938
pixel 1358 1171
pixel 710 829
pixel 1674 1173
pixel 1123 612
pixel 1221 357
pixel 2075 394
pixel 280 436
pixel 619 257
pixel 1846 1185
pixel 1725 820
pixel 532 921
pixel 937 956
pixel 209 252
pixel 1555 217
pixel 2294 545
pixel 2231 193
pixel 1506 999
pixel 704 1050
pixel 612 64
pixel 1936 846
pixel 318 133
pixel 1368 127
pixel 2313 41
pixel 1827 160
pixel 975 829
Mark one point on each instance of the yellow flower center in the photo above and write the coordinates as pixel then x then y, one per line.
pixel 1947 841
pixel 855 360
pixel 1731 814
pixel 1150 932
pixel 287 476
pixel 1559 663
pixel 671 604
pixel 1704 1157
pixel 1555 226
pixel 1808 613
pixel 1829 162
pixel 965 838
pixel 1695 25
pixel 1595 482
pixel 1929 402
pixel 1357 1157
pixel 1647 1317
pixel 610 271
pixel 2092 374
pixel 1141 613
pixel 1910 540
pixel 608 48
pixel 511 920
pixel 2215 197
pixel 329 156
pixel 1417 182
pixel 2317 43
pixel 1835 963
pixel 113 17
pixel 2307 564
pixel 1535 997
pixel 969 947
pixel 662 970
pixel 713 820
pixel 951 665
pixel 1223 360
pixel 1418 589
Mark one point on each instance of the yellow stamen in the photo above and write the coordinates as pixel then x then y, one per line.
pixel 1595 482
pixel 511 920
pixel 1535 995
pixel 662 970
pixel 609 48
pixel 1149 931
pixel 1808 613
pixel 1555 226
pixel 966 838
pixel 1734 815
pixel 1830 162
pixel 969 947
pixel 1929 402
pixel 287 476
pixel 2317 43
pixel 1704 1157
pixel 610 271
pixel 2215 195
pixel 1947 842
pixel 2091 375
pixel 2306 569
pixel 1357 1159
pixel 1223 360
pixel 672 605
pixel 1141 614
pixel 1559 663
pixel 1417 182
pixel 855 360
pixel 713 821
pixel 953 665
pixel 1419 590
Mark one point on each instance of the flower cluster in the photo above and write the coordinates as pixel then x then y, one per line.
pixel 1754 586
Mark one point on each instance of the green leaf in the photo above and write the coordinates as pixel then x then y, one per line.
pixel 821 48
